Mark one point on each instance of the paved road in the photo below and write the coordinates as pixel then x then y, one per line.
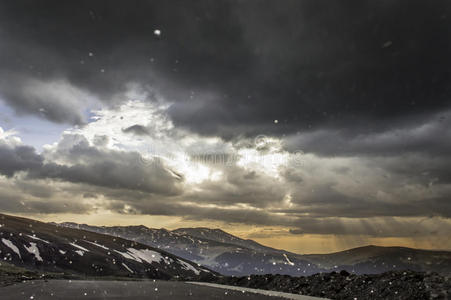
pixel 162 290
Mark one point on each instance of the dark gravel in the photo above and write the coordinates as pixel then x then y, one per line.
pixel 342 285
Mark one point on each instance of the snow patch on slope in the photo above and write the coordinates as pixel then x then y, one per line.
pixel 38 239
pixel 189 267
pixel 144 255
pixel 128 256
pixel 288 260
pixel 98 245
pixel 34 250
pixel 79 247
pixel 130 270
pixel 148 255
pixel 151 256
pixel 11 246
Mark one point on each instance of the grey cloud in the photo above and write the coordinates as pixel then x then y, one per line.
pixel 429 135
pixel 19 158
pixel 11 200
pixel 120 170
pixel 137 130
pixel 100 140
pixel 107 168
pixel 20 201
pixel 292 175
pixel 416 168
pixel 194 212
pixel 128 173
pixel 383 227
pixel 90 195
pixel 50 207
pixel 55 100
pixel 38 190
pixel 326 200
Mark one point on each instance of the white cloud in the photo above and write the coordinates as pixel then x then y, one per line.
pixel 10 137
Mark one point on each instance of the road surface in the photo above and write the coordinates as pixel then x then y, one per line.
pixel 162 290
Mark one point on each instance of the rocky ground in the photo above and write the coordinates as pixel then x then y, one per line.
pixel 342 285
pixel 10 274
pixel 407 285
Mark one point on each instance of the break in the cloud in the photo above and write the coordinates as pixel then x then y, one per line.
pixel 322 118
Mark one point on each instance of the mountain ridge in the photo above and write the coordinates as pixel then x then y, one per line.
pixel 231 255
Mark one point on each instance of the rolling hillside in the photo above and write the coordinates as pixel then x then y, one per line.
pixel 376 259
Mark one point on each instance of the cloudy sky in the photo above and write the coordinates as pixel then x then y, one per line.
pixel 310 125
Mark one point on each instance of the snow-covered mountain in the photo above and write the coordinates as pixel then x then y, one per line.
pixel 231 255
pixel 213 248
pixel 48 247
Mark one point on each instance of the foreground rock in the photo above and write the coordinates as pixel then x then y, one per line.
pixel 389 285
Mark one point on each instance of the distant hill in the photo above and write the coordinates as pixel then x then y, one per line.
pixel 231 255
pixel 47 247
pixel 375 259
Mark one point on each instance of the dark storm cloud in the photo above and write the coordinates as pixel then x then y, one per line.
pixel 194 212
pixel 128 173
pixel 19 158
pixel 239 65
pixel 417 169
pixel 90 165
pixel 326 202
pixel 426 136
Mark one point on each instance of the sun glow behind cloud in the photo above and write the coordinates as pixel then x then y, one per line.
pixel 195 157
pixel 267 163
